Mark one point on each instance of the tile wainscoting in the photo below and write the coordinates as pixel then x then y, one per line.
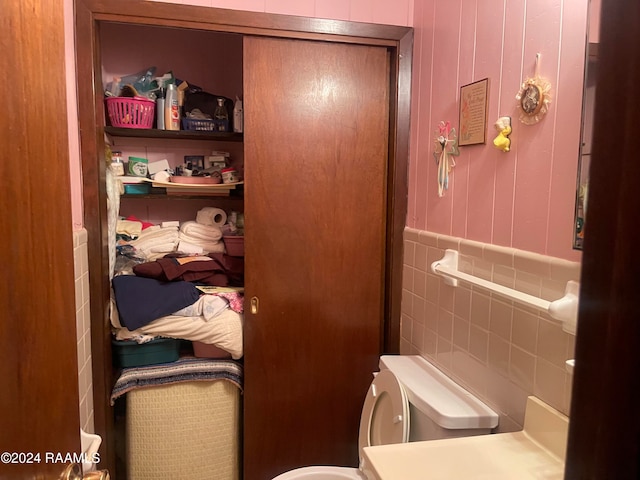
pixel 83 329
pixel 500 351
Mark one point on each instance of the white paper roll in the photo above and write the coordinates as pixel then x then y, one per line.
pixel 211 216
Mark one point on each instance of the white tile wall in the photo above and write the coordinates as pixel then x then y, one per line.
pixel 83 329
pixel 500 351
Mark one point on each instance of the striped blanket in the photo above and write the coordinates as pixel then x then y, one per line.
pixel 186 369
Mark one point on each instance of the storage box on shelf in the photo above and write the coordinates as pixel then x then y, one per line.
pixel 204 350
pixel 128 353
pixel 234 244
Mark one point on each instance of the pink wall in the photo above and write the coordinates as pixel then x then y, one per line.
pixel 524 198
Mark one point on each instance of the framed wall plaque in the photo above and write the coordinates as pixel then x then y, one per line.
pixel 473 113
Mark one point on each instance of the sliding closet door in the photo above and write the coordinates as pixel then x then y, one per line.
pixel 316 155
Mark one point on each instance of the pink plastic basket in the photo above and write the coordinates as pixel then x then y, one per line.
pixel 131 112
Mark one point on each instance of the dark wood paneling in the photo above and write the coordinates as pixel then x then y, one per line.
pixel 38 359
pixel 604 433
pixel 316 144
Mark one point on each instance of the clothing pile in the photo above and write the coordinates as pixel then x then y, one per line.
pixel 157 289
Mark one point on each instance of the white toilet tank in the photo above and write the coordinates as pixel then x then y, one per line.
pixel 439 407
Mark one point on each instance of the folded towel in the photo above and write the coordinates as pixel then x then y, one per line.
pixel 129 227
pixel 207 247
pixel 205 236
pixel 207 233
pixel 157 232
pixel 156 240
pixel 163 247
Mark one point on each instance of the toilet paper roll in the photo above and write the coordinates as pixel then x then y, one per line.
pixel 211 216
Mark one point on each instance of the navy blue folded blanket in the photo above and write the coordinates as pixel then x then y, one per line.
pixel 143 300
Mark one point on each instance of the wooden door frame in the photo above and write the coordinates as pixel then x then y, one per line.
pixel 89 13
pixel 604 430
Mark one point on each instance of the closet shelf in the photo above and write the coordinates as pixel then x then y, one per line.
pixel 174 134
pixel 182 196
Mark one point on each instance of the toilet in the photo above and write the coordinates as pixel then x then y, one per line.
pixel 409 400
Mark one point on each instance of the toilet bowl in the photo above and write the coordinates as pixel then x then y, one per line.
pixel 322 473
pixel 408 400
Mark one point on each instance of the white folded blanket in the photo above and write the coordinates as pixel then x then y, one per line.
pixel 224 331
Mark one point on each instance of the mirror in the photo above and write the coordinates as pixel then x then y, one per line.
pixel 588 104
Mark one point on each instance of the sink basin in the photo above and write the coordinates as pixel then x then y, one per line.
pixel 538 451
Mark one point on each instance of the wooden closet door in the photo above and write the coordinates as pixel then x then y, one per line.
pixel 316 155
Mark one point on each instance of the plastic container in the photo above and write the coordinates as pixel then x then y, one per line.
pixel 117 166
pixel 127 353
pixel 160 110
pixel 198 124
pixel 137 189
pixel 205 350
pixel 234 245
pixel 221 116
pixel 229 175
pixel 131 112
pixel 138 167
pixel 238 116
pixel 171 109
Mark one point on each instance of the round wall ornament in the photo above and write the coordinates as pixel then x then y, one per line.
pixel 534 98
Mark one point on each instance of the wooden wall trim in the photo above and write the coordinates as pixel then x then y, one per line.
pixel 240 21
pixel 95 222
pixel 399 190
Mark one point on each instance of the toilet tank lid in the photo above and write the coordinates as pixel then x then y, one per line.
pixel 437 396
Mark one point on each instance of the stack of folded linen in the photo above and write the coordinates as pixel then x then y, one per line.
pixel 155 242
pixel 208 237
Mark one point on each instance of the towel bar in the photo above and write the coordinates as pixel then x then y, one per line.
pixel 564 309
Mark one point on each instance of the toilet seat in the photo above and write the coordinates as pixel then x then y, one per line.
pixel 384 420
pixel 385 413
pixel 322 473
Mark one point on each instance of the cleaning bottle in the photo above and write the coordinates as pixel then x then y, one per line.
pixel 171 109
pixel 238 115
pixel 160 109
pixel 221 117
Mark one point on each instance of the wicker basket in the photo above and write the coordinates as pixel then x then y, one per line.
pixel 131 112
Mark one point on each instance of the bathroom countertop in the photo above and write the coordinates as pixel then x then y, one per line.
pixel 536 452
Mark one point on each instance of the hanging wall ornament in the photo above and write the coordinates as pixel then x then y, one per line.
pixel 446 148
pixel 534 97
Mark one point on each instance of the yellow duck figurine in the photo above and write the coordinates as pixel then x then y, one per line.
pixel 502 142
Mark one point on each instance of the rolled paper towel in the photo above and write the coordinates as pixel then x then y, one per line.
pixel 211 216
